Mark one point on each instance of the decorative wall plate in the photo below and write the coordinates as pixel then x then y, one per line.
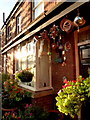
pixel 66 25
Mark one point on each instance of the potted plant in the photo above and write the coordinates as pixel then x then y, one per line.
pixel 24 75
pixel 73 95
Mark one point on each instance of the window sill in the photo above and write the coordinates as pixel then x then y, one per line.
pixel 38 92
pixel 37 18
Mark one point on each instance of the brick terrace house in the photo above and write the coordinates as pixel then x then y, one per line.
pixel 42 35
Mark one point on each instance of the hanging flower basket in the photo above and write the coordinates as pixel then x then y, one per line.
pixel 24 75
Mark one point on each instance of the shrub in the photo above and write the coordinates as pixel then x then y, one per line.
pixel 73 94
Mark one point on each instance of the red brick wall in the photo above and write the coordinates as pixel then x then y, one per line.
pixel 25 11
pixel 26 15
pixel 10 61
pixel 58 71
pixel 3 35
pixel 46 102
pixel 49 5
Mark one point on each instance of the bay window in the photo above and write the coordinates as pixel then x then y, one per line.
pixel 34 55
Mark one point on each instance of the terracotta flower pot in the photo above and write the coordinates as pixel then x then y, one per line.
pixel 8 110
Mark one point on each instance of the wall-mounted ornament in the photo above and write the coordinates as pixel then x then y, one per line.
pixel 49 53
pixel 79 21
pixel 54 46
pixel 53 34
pixel 44 35
pixel 66 25
pixel 58 60
pixel 67 46
pixel 64 58
pixel 60 47
pixel 64 64
pixel 54 31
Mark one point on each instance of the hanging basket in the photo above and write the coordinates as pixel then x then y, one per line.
pixel 24 76
pixel 26 79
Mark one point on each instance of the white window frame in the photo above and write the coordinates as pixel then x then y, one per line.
pixel 34 8
pixel 18 24
pixel 9 32
pixel 35 84
pixel 17 61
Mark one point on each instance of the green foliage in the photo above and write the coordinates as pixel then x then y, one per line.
pixel 34 113
pixel 24 75
pixel 13 93
pixel 5 76
pixel 73 94
pixel 30 112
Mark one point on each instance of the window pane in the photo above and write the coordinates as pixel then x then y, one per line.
pixel 18 22
pixel 31 54
pixel 86 53
pixel 17 59
pixel 39 10
pixel 23 51
pixel 30 63
pixel 24 63
pixel 36 2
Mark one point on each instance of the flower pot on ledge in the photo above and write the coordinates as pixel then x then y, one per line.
pixel 8 110
pixel 24 76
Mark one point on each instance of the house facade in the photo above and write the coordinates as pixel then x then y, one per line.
pixel 52 38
